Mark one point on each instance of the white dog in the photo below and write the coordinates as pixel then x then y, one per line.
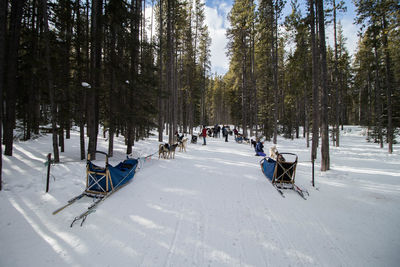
pixel 273 152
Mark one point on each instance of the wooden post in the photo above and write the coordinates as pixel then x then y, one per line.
pixel 48 171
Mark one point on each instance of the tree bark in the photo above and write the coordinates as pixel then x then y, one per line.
pixel 82 92
pixel 3 19
pixel 50 82
pixel 315 92
pixel 274 51
pixel 325 164
pixel 170 64
pixel 160 88
pixel 12 72
pixel 95 65
pixel 336 73
pixel 378 109
pixel 388 84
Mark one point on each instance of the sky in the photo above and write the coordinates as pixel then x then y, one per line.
pixel 216 19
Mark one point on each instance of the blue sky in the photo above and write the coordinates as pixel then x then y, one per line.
pixel 216 19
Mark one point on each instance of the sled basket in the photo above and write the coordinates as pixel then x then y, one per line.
pixel 280 172
pixel 102 180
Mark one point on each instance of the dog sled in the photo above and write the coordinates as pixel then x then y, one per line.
pixel 194 139
pixel 239 138
pixel 281 173
pixel 102 182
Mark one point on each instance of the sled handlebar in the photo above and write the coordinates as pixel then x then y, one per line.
pixel 100 152
pixel 287 153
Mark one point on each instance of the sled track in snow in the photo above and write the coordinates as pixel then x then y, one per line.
pixel 258 232
pixel 338 255
pixel 171 250
pixel 284 242
pixel 201 228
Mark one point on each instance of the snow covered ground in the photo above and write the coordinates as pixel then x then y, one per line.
pixel 211 206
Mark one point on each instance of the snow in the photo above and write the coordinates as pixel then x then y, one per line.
pixel 210 206
pixel 85 84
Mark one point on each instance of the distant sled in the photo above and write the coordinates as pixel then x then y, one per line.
pixel 102 182
pixel 281 173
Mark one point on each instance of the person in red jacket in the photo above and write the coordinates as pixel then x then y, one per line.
pixel 204 134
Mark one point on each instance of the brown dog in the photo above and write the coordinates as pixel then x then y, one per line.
pixel 163 150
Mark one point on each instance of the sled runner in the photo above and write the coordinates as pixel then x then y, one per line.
pixel 102 182
pixel 281 173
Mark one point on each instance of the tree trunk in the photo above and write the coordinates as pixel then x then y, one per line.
pixel 12 71
pixel 325 164
pixel 50 83
pixel 33 107
pixel 82 92
pixel 388 87
pixel 170 70
pixel 378 109
pixel 244 85
pixel 315 93
pixel 95 65
pixel 112 91
pixel 336 73
pixel 275 74
pixel 61 137
pixel 3 19
pixel 160 88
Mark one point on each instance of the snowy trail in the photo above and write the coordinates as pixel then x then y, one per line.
pixel 211 206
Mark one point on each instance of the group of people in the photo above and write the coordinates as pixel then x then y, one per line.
pixel 215 132
pixel 259 147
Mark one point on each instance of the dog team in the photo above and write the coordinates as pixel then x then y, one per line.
pixel 167 151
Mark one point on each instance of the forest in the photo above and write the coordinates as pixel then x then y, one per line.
pixel 106 64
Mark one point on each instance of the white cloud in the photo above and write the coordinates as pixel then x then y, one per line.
pixel 216 20
pixel 350 31
pixel 149 11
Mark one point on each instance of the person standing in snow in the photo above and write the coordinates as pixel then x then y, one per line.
pixel 204 134
pixel 235 132
pixel 260 149
pixel 225 133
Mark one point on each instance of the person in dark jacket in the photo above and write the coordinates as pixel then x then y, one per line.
pixel 225 133
pixel 260 149
pixel 235 131
pixel 179 137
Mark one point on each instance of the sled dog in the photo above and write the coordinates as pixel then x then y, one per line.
pixel 182 145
